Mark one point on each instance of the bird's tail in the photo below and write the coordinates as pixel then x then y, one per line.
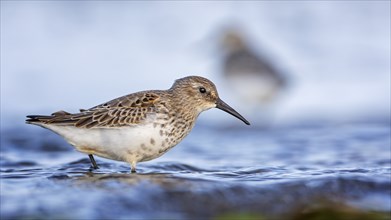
pixel 38 119
pixel 42 119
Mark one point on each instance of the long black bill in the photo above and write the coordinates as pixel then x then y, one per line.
pixel 225 107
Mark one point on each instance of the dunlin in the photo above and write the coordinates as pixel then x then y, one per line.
pixel 140 126
pixel 242 66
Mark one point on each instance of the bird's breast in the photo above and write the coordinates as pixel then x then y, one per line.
pixel 126 143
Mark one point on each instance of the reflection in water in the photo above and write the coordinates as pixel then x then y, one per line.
pixel 164 181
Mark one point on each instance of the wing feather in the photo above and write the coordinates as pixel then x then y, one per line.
pixel 124 111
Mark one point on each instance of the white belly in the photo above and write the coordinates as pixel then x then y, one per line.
pixel 131 143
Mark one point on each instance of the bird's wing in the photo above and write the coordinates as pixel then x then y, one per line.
pixel 127 110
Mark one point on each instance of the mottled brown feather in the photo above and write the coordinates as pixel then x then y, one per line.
pixel 126 110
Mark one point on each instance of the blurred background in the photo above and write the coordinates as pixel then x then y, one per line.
pixel 275 62
pixel 312 77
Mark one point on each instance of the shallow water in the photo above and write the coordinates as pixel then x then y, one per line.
pixel 214 171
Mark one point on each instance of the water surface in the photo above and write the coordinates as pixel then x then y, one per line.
pixel 212 173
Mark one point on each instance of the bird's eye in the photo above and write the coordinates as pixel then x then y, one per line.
pixel 202 90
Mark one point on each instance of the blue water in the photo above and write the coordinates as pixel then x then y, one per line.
pixel 271 172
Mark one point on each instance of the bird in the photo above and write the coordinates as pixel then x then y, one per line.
pixel 243 66
pixel 137 127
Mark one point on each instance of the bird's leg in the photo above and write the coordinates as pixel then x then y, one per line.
pixel 94 165
pixel 133 165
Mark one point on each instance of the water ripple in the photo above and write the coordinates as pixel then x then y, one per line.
pixel 273 174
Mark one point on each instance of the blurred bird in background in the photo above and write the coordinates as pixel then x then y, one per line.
pixel 254 79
